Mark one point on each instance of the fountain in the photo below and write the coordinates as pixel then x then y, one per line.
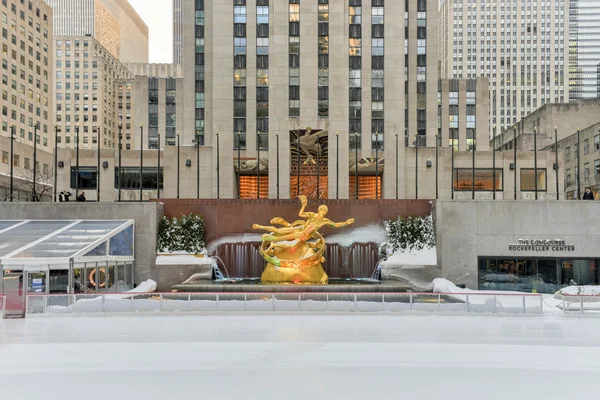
pixel 295 254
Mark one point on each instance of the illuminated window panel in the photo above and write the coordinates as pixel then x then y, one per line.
pixel 369 187
pixel 249 187
pixel 484 178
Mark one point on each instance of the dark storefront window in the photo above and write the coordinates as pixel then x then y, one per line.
pixel 536 275
pixel 87 178
pixel 131 178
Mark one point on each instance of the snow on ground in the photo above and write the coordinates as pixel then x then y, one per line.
pixel 299 357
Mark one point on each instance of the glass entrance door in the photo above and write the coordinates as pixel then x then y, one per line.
pixel 15 294
pixel 37 282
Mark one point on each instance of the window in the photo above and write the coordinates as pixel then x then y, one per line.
pixel 4 157
pixel 87 178
pixel 528 180
pixel 484 179
pixel 586 146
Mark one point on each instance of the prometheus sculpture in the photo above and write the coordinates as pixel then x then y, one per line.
pixel 294 252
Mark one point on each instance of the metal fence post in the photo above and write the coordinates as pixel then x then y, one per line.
pixel 439 302
pixel 103 299
pixel 217 301
pixel 131 304
pixel 189 302
pixel 273 298
pixel 468 304
pixel 160 302
pixel 245 302
pixel 45 304
pixel 524 306
pixel 327 301
pixel 299 302
pixel 74 303
pixel 581 303
pixel 495 304
pixel 541 305
pixel 355 306
pixel 26 304
pixel 410 299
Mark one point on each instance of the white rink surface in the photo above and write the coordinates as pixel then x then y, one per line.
pixel 299 357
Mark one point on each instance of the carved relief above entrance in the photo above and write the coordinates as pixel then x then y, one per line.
pixel 309 163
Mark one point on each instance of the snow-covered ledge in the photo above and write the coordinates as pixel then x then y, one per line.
pixel 414 267
pixel 175 268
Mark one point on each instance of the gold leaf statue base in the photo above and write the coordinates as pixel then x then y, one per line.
pixel 314 275
pixel 294 252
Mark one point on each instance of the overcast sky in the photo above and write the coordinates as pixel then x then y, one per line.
pixel 158 15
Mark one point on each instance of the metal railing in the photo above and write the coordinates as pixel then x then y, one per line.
pixel 579 303
pixel 2 305
pixel 285 302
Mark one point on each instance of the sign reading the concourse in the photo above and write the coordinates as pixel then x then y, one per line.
pixel 541 245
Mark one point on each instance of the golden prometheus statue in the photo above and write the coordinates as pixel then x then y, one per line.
pixel 294 252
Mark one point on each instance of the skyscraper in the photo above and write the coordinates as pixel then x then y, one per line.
pixel 520 45
pixel 114 23
pixel 584 49
pixel 177 31
pixel 27 105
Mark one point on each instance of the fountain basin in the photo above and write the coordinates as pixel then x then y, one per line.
pixel 254 285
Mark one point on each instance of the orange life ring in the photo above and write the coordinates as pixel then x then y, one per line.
pixel 93 274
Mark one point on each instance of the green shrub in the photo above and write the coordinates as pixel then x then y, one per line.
pixel 183 234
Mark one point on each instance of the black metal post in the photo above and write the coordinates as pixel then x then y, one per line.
pixel 258 165
pixel 197 165
pixel 452 189
pixel 318 174
pixel 356 163
pixel 55 161
pixel 556 161
pixel 417 166
pixel 578 167
pixel 437 145
pixel 376 165
pixel 239 146
pixel 178 164
pixel 337 168
pixel 34 194
pixel 218 168
pixel 298 172
pixel 535 161
pixel 141 162
pixel 158 167
pixel 515 160
pixel 494 166
pixel 473 177
pixel 397 167
pixel 120 167
pixel 277 143
pixel 98 168
pixel 77 162
pixel 12 160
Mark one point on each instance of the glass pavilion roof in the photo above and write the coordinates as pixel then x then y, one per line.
pixel 62 240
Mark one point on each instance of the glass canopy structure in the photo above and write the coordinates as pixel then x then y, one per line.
pixel 66 256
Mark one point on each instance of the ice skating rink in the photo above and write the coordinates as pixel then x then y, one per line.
pixel 299 357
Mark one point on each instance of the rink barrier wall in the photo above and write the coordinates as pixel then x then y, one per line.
pixel 530 304
pixel 579 304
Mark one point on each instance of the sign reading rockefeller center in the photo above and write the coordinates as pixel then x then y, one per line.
pixel 541 245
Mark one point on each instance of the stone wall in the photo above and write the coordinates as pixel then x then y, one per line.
pixel 146 216
pixel 467 230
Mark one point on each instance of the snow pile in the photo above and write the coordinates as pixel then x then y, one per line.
pixel 580 291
